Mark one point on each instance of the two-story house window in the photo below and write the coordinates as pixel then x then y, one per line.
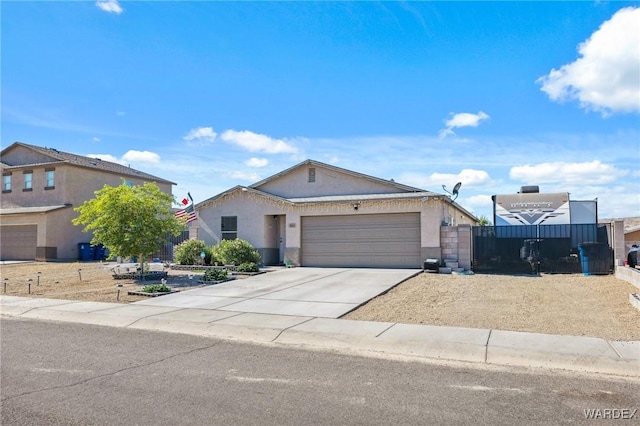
pixel 28 181
pixel 6 182
pixel 49 178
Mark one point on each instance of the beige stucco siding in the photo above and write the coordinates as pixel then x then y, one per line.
pixel 327 182
pixel 255 215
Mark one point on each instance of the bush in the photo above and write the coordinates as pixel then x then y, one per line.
pixel 156 288
pixel 188 252
pixel 235 252
pixel 215 275
pixel 248 267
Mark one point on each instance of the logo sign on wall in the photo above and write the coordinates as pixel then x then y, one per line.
pixel 532 209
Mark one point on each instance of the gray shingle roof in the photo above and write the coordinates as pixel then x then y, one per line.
pixel 58 157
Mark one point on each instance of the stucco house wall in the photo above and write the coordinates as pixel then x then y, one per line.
pixel 271 220
pixel 51 209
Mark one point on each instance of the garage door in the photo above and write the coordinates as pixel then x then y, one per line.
pixel 368 240
pixel 18 242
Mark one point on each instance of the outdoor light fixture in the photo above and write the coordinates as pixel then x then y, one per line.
pixel 356 205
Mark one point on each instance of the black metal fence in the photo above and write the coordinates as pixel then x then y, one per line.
pixel 165 254
pixel 542 248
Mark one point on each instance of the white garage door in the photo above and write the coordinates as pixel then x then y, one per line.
pixel 18 242
pixel 364 240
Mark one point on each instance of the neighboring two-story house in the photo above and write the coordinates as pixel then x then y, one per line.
pixel 40 189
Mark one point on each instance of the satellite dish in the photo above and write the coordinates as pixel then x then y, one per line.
pixel 456 189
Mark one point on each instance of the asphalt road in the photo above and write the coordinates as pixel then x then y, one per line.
pixel 74 374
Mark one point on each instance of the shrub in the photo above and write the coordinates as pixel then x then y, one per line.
pixel 156 288
pixel 235 252
pixel 215 275
pixel 248 267
pixel 188 252
pixel 209 257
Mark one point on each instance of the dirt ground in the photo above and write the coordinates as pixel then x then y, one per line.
pixel 596 306
pixel 81 281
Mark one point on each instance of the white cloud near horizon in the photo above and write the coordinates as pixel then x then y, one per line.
pixel 468 177
pixel 131 156
pixel 256 162
pixel 255 142
pixel 247 176
pixel 201 135
pixel 462 119
pixel 111 6
pixel 606 76
pixel 587 173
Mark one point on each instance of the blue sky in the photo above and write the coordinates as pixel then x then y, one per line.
pixel 216 94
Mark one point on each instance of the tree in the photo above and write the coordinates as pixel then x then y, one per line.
pixel 484 221
pixel 129 220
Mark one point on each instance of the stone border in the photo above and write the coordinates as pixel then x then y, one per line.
pixel 155 294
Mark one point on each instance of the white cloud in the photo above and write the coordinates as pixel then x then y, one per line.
pixel 141 157
pixel 462 119
pixel 257 162
pixel 606 76
pixel 120 113
pixel 254 142
pixel 111 6
pixel 201 134
pixel 96 139
pixel 468 177
pixel 251 177
pixel 478 201
pixel 129 157
pixel 588 173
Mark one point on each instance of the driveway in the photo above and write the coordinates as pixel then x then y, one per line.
pixel 310 292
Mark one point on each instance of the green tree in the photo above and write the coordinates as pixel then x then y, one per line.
pixel 484 221
pixel 129 220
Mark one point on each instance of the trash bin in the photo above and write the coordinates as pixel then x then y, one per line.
pixel 595 258
pixel 85 251
pixel 98 253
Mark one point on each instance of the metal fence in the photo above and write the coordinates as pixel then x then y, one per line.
pixel 165 254
pixel 543 248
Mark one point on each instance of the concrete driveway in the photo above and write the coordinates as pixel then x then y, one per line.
pixel 309 292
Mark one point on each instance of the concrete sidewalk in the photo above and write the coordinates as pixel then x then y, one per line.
pixel 483 346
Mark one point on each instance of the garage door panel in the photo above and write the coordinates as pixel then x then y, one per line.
pixel 376 240
pixel 18 242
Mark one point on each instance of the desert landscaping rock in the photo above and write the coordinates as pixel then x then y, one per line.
pixel 594 306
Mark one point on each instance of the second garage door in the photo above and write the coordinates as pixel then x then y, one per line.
pixel 367 240
pixel 18 242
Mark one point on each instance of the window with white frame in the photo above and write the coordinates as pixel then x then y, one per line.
pixel 28 181
pixel 229 227
pixel 6 182
pixel 49 178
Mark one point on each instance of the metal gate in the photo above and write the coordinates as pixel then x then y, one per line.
pixel 553 249
pixel 165 253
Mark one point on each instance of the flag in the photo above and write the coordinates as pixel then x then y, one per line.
pixel 189 213
pixel 185 201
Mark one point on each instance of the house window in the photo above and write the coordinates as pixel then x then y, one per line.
pixel 28 181
pixel 6 182
pixel 229 227
pixel 49 177
pixel 312 174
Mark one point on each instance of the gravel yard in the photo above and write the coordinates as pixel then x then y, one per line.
pixel 80 281
pixel 596 306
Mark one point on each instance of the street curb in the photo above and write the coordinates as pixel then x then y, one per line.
pixel 482 346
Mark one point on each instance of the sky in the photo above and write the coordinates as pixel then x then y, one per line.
pixel 210 95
